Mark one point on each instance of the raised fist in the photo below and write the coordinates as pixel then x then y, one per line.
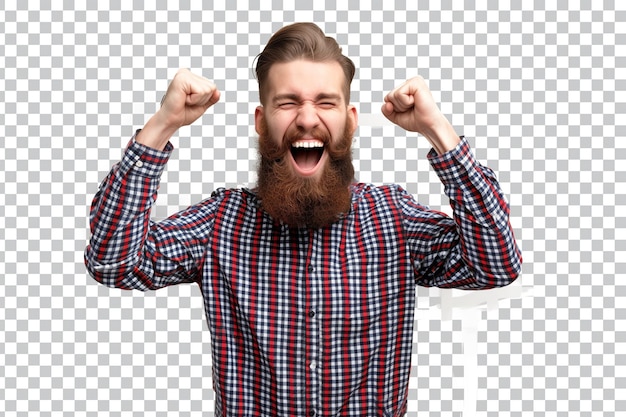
pixel 187 98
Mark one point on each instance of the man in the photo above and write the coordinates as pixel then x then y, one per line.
pixel 309 279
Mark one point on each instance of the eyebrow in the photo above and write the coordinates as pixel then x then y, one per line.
pixel 296 97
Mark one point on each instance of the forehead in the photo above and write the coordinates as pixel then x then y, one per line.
pixel 306 79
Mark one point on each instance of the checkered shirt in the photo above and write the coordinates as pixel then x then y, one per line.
pixel 305 322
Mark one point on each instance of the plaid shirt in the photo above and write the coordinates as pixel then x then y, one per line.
pixel 305 322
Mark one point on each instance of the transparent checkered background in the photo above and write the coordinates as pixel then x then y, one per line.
pixel 538 87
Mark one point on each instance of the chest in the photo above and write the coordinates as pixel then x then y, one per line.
pixel 354 269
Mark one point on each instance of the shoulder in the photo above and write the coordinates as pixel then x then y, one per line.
pixel 373 192
pixel 392 198
pixel 235 202
pixel 222 199
pixel 388 197
pixel 231 199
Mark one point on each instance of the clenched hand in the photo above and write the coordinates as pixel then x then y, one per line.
pixel 187 98
pixel 412 107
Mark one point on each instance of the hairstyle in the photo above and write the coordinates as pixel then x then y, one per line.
pixel 301 41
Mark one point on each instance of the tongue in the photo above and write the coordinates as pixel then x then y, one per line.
pixel 306 159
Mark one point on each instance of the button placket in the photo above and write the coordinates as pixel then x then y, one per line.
pixel 314 332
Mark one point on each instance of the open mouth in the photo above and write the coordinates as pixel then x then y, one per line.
pixel 307 155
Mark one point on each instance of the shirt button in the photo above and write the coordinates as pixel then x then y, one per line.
pixel 313 365
pixel 312 413
pixel 138 164
pixel 311 268
pixel 311 313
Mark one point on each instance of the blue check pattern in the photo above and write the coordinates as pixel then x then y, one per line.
pixel 305 322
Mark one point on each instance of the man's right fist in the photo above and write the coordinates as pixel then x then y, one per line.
pixel 187 98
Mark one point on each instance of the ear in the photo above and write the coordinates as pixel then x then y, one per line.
pixel 258 116
pixel 353 118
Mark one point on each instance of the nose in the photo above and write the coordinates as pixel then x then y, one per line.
pixel 307 117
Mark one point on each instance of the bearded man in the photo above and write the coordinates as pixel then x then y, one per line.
pixel 308 279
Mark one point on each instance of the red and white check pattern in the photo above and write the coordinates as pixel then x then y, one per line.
pixel 306 322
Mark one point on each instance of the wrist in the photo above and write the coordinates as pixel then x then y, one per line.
pixel 441 135
pixel 157 132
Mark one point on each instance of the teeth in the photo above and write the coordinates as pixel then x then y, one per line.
pixel 308 144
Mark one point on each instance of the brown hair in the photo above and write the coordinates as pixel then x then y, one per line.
pixel 301 41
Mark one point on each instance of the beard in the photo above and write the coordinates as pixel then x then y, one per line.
pixel 305 201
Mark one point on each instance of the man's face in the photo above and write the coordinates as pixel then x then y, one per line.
pixel 305 137
pixel 305 112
